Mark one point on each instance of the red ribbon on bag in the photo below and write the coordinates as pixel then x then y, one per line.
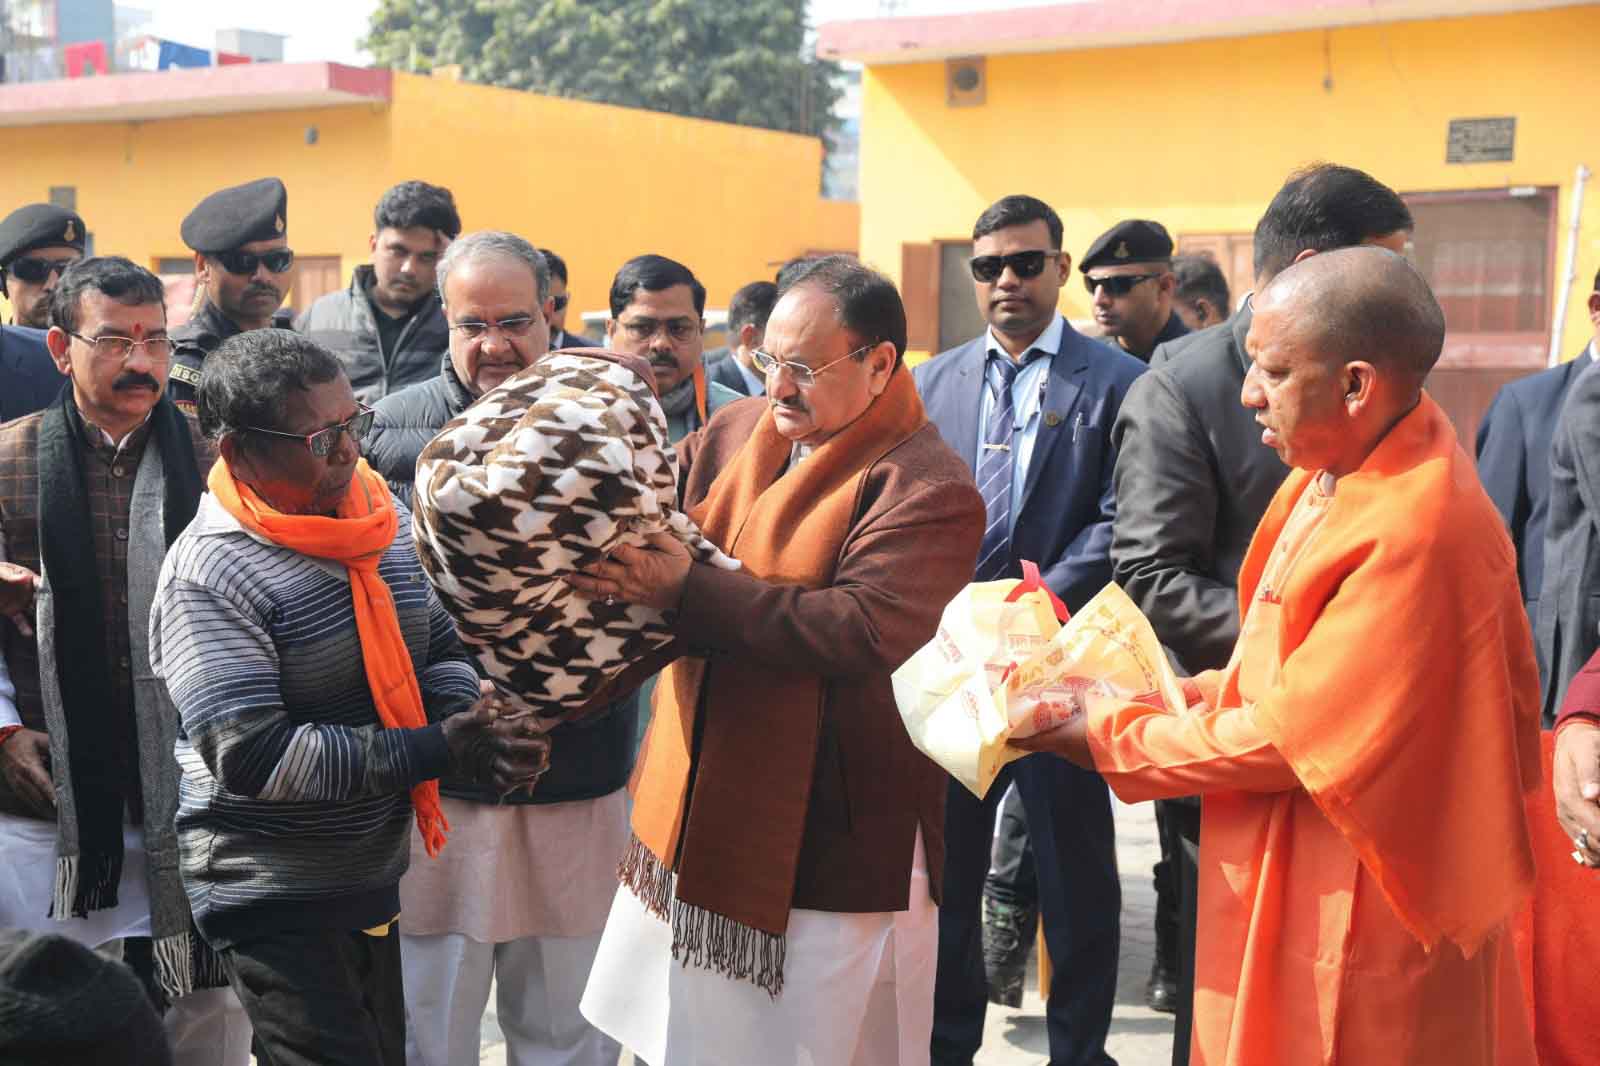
pixel 1031 582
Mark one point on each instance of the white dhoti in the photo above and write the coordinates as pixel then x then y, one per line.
pixel 857 990
pixel 517 897
pixel 207 1027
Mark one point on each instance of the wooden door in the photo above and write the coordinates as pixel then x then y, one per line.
pixel 1234 254
pixel 312 276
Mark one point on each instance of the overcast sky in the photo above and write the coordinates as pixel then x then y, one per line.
pixel 329 29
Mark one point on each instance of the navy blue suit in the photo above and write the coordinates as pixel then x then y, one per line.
pixel 1064 524
pixel 29 379
pixel 1514 463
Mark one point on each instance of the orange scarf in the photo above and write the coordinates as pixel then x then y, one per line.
pixel 1420 752
pixel 357 538
pixel 734 839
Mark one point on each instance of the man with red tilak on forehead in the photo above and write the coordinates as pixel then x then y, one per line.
pixel 1365 754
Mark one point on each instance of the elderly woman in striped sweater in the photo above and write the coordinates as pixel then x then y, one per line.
pixel 322 691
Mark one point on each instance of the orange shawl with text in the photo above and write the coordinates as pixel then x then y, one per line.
pixel 357 538
pixel 1365 760
pixel 1421 748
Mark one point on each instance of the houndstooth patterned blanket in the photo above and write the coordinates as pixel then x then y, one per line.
pixel 546 474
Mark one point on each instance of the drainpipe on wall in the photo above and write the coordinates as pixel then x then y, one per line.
pixel 1570 274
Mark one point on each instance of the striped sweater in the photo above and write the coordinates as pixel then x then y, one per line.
pixel 294 808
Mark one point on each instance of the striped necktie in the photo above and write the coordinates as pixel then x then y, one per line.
pixel 997 464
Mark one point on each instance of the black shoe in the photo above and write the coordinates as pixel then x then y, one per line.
pixel 1162 992
pixel 1007 937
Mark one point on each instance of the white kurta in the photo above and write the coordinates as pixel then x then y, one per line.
pixel 857 990
pixel 207 1027
pixel 28 881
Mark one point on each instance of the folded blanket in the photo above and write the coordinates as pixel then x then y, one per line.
pixel 548 473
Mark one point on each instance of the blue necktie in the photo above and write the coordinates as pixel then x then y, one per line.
pixel 996 465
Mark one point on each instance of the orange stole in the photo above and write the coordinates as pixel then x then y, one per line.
pixel 1434 638
pixel 357 537
pixel 736 845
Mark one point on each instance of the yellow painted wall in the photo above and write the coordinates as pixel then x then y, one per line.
pixel 597 183
pixel 1200 135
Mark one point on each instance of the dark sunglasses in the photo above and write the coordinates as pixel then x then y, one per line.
pixel 34 270
pixel 987 268
pixel 1118 285
pixel 560 302
pixel 278 260
pixel 323 441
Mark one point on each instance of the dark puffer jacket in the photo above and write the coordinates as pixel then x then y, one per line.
pixel 407 420
pixel 589 758
pixel 344 323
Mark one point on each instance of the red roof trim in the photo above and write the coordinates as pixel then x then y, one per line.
pixel 241 87
pixel 1112 23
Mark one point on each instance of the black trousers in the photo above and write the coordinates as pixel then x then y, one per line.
pixel 1185 821
pixel 1012 878
pixel 1068 813
pixel 1165 875
pixel 321 997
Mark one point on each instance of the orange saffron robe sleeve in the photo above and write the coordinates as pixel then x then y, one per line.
pixel 1364 759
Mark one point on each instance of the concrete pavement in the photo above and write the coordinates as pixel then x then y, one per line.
pixel 1016 1037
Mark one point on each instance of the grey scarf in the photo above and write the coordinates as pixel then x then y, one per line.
pixel 183 960
pixel 680 401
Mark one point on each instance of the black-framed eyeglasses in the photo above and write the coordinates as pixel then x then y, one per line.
pixel 1116 284
pixel 111 346
pixel 803 376
pixel 244 263
pixel 515 326
pixel 988 268
pixel 560 302
pixel 323 441
pixel 34 270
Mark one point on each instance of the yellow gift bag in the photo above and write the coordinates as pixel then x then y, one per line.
pixel 945 691
pixel 1000 667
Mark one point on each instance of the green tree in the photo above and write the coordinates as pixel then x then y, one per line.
pixel 746 61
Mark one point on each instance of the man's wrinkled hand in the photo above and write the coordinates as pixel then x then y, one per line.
pixel 490 746
pixel 1070 740
pixel 653 576
pixel 25 766
pixel 17 587
pixel 1575 779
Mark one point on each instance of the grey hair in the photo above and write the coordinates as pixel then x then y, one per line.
pixel 494 244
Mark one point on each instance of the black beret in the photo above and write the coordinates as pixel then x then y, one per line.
pixel 1133 240
pixel 38 226
pixel 225 220
pixel 63 1003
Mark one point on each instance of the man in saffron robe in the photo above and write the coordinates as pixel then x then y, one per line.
pixel 1366 753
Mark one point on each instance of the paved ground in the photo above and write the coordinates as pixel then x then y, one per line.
pixel 1016 1037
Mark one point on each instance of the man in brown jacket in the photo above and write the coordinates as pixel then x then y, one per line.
pixel 778 898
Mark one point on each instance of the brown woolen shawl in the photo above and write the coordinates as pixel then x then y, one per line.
pixel 717 837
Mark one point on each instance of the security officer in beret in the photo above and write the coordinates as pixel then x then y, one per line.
pixel 241 265
pixel 1128 272
pixel 37 242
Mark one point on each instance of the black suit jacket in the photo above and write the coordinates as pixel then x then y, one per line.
pixel 1192 482
pixel 29 379
pixel 1514 463
pixel 725 371
pixel 1567 630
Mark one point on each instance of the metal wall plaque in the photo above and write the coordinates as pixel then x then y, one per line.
pixel 1481 140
